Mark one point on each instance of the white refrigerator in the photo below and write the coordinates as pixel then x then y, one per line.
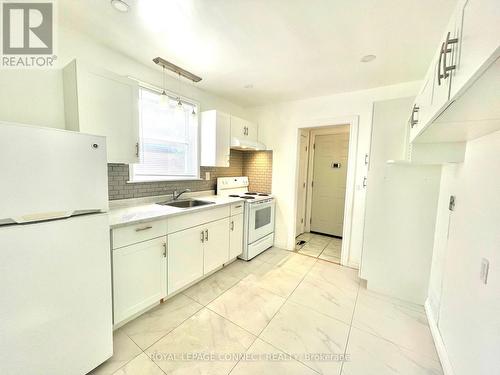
pixel 55 262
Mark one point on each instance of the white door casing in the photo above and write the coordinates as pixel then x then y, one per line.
pixel 302 182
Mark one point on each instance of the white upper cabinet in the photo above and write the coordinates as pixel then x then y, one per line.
pixel 215 138
pixel 244 129
pixel 103 103
pixel 448 107
pixel 478 39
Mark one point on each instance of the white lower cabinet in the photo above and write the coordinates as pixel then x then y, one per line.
pixel 185 257
pixel 216 245
pixel 139 277
pixel 235 236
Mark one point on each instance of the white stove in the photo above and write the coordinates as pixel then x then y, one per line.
pixel 258 223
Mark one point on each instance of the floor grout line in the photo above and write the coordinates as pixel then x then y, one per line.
pixel 349 333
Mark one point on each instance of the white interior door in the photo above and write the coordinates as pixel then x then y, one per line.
pixel 302 182
pixel 329 183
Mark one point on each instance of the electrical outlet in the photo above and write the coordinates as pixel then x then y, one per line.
pixel 485 267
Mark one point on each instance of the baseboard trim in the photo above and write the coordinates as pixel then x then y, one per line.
pixel 438 341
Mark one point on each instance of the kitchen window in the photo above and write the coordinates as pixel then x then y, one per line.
pixel 168 139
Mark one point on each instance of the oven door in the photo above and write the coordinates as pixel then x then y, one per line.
pixel 260 219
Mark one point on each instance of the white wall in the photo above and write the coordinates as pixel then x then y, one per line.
pixel 469 311
pixel 278 129
pixel 36 96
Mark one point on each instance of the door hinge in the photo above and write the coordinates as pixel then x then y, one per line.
pixel 314 146
pixel 302 220
pixel 310 220
pixel 304 185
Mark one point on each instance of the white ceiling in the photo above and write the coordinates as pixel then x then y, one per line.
pixel 286 49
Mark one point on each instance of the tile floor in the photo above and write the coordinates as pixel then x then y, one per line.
pixel 281 313
pixel 320 246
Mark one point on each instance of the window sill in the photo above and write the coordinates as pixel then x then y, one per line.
pixel 165 179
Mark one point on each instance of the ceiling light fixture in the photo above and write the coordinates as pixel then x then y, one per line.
pixel 368 58
pixel 120 5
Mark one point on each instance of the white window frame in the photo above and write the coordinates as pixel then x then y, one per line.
pixel 138 179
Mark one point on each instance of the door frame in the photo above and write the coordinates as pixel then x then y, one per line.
pixel 326 124
pixel 310 168
pixel 302 175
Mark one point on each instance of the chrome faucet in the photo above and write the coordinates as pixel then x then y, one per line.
pixel 176 195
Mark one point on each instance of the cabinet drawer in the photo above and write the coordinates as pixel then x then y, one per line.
pixel 193 219
pixel 139 232
pixel 237 208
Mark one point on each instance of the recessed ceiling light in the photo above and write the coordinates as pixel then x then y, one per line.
pixel 368 58
pixel 248 86
pixel 120 5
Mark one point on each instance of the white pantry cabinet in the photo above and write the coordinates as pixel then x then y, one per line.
pixel 244 129
pixel 215 138
pixel 236 236
pixel 139 278
pixel 100 102
pixel 185 257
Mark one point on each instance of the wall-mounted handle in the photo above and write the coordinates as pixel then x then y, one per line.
pixel 206 234
pixel 164 249
pixel 202 236
pixel 365 179
pixel 143 228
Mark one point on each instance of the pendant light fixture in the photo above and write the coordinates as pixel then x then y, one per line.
pixel 179 101
pixel 193 112
pixel 163 97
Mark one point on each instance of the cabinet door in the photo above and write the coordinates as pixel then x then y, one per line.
pixel 185 257
pixel 251 131
pixel 139 278
pixel 235 236
pixel 216 250
pixel 215 138
pixel 477 31
pixel 103 103
pixel 238 127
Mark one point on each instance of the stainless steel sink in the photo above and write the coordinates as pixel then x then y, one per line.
pixel 185 203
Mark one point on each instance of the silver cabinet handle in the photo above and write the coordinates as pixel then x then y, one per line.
pixel 364 181
pixel 137 149
pixel 143 228
pixel 439 64
pixel 447 68
pixel 237 206
pixel 206 234
pixel 232 225
pixel 413 121
pixel 366 159
pixel 165 250
pixel 202 236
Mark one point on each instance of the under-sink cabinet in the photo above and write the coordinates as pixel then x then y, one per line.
pixel 157 259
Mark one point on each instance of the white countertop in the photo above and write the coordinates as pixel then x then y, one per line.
pixel 133 211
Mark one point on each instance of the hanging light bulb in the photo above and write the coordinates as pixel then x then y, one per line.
pixel 163 96
pixel 179 101
pixel 193 112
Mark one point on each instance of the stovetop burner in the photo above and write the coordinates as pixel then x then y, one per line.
pixel 247 197
pixel 251 193
pixel 263 195
pixel 234 195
